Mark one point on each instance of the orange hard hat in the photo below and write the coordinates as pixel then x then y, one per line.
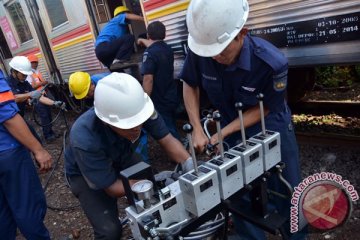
pixel 33 58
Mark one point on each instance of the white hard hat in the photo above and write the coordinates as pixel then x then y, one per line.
pixel 21 64
pixel 213 24
pixel 120 101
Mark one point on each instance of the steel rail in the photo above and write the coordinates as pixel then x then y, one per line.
pixel 342 108
pixel 328 139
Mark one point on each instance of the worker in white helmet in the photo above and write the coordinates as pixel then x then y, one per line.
pixel 233 66
pixel 102 143
pixel 24 93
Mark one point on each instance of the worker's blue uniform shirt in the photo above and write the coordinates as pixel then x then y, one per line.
pixel 98 154
pixel 260 68
pixel 114 41
pixel 18 87
pixel 158 60
pixel 97 77
pixel 114 29
pixel 8 109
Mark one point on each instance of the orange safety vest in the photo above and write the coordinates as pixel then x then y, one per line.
pixel 37 79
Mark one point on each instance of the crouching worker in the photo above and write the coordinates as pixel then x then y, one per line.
pixel 102 143
pixel 82 85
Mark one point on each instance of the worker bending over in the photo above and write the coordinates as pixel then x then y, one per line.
pixel 102 143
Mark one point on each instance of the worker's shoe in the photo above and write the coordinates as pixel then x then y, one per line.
pixel 122 61
pixel 122 64
pixel 116 61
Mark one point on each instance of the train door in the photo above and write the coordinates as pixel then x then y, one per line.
pixel 137 28
pixel 101 11
pixel 5 53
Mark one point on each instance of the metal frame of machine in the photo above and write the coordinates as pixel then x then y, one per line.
pixel 187 208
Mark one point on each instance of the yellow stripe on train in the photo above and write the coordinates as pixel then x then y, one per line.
pixel 172 8
pixel 74 41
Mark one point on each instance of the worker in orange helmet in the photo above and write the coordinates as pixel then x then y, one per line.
pixel 36 79
pixel 38 82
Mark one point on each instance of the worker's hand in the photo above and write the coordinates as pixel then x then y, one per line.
pixel 44 160
pixel 214 139
pixel 35 95
pixel 140 42
pixel 199 140
pixel 188 165
pixel 165 178
pixel 59 104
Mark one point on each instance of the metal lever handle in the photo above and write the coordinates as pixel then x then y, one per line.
pixel 239 106
pixel 260 97
pixel 217 118
pixel 187 128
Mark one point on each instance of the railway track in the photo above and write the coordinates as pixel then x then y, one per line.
pixel 328 139
pixel 342 108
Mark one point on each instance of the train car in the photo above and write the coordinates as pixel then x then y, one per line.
pixel 65 28
pixel 309 32
pixel 62 32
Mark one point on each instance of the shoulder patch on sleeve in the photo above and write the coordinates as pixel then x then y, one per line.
pixel 280 81
pixel 145 56
pixel 154 115
pixel 269 54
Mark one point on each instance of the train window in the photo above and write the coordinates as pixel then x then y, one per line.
pixel 18 18
pixel 56 12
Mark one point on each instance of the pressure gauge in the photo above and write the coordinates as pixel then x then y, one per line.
pixel 143 189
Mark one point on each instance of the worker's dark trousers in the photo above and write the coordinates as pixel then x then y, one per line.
pixel 22 200
pixel 279 122
pixel 99 207
pixel 120 48
pixel 44 113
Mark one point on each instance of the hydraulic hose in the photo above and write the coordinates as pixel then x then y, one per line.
pixel 47 182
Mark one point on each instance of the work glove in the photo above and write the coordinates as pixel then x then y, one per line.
pixel 35 95
pixel 59 104
pixel 188 165
pixel 165 178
